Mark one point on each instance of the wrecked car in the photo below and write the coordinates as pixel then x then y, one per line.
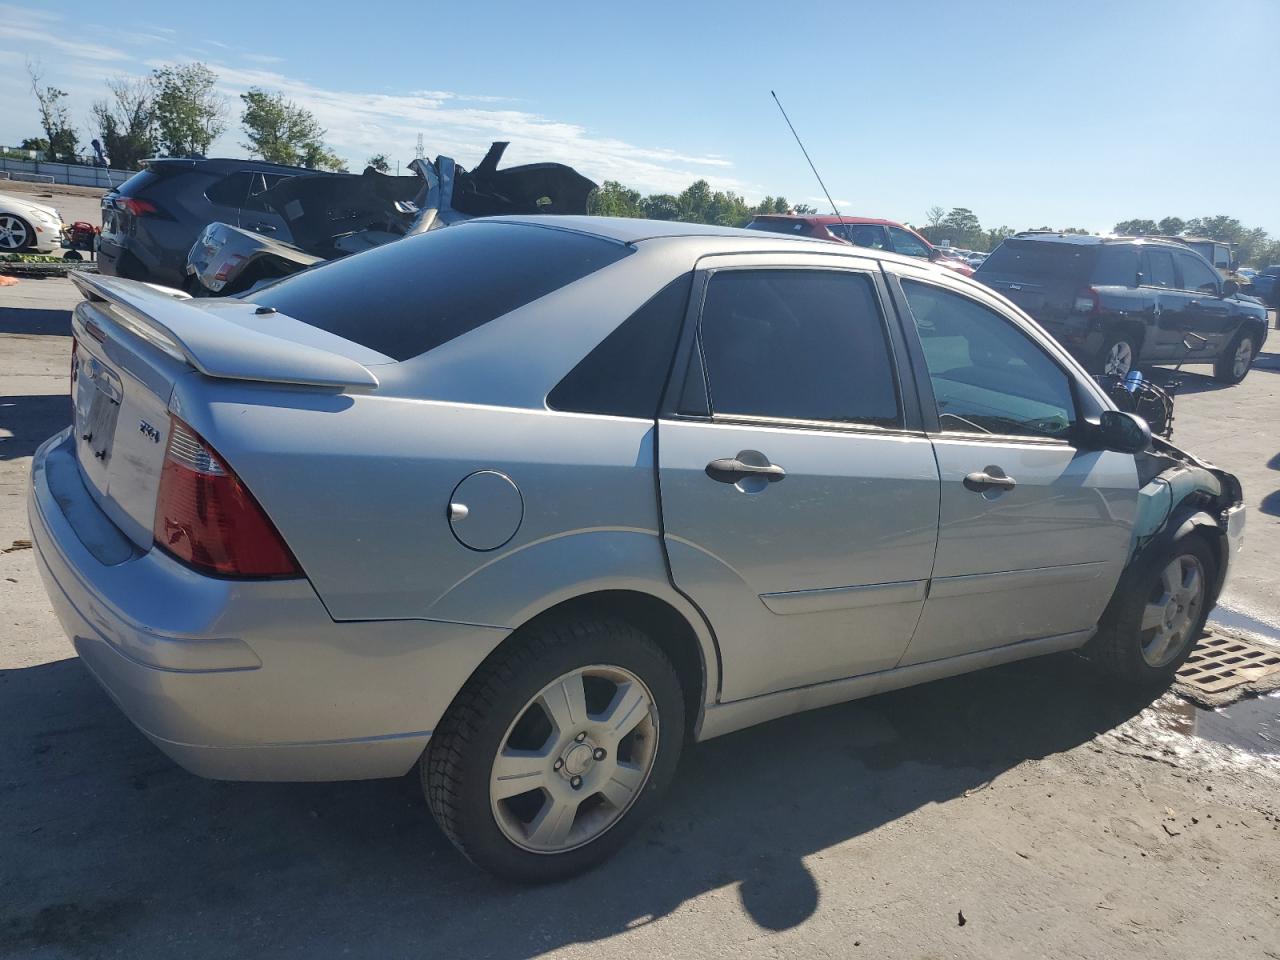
pixel 334 215
pixel 592 490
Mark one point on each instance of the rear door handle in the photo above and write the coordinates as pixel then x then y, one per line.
pixel 748 463
pixel 992 478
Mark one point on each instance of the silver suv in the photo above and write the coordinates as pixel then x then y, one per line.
pixel 534 502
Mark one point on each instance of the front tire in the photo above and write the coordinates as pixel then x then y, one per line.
pixel 16 234
pixel 1233 364
pixel 1150 629
pixel 556 750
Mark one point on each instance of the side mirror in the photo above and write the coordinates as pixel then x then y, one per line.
pixel 1122 432
pixel 1230 288
pixel 933 253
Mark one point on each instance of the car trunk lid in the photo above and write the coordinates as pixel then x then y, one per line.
pixel 132 343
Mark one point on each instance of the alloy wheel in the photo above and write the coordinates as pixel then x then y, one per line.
pixel 1243 357
pixel 1119 359
pixel 13 233
pixel 575 759
pixel 1172 610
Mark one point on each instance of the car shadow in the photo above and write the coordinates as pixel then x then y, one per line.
pixel 35 321
pixel 26 421
pixel 1192 381
pixel 109 844
pixel 1271 503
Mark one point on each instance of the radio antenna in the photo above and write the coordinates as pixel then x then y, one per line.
pixel 806 155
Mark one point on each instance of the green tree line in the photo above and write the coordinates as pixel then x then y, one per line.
pixel 697 203
pixel 177 111
pixel 1253 246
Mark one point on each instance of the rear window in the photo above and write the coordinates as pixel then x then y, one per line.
pixel 1038 260
pixel 139 182
pixel 777 226
pixel 412 295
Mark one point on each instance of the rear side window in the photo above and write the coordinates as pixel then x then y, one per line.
pixel 1116 266
pixel 230 191
pixel 410 296
pixel 624 375
pixel 1039 261
pixel 798 345
pixel 136 184
pixel 1158 269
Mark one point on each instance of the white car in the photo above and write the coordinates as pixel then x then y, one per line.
pixel 28 226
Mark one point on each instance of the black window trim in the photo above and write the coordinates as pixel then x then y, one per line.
pixel 924 385
pixel 1182 281
pixel 690 340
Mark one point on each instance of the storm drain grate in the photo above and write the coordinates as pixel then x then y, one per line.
pixel 1220 663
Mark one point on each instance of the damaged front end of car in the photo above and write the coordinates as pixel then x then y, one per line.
pixel 335 215
pixel 1178 494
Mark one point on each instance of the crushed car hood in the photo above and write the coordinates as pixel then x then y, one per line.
pixel 321 210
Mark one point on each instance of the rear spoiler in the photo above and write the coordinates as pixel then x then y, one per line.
pixel 214 345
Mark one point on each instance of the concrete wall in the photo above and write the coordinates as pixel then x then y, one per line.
pixel 41 171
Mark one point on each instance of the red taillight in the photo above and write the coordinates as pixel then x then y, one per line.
pixel 139 208
pixel 207 519
pixel 1088 301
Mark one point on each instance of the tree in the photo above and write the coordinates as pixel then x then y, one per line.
pixel 612 199
pixel 61 142
pixel 804 210
pixel 379 162
pixel 1136 228
pixel 39 144
pixel 661 206
pixel 190 113
pixel 1172 226
pixel 934 216
pixel 961 227
pixel 127 122
pixel 280 131
pixel 996 236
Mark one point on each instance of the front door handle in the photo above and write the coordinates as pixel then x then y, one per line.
pixel 748 463
pixel 263 228
pixel 992 478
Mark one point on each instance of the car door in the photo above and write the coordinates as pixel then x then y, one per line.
pixel 1207 314
pixel 256 215
pixel 1165 305
pixel 799 495
pixel 1033 532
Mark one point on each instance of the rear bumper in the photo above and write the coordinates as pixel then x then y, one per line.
pixel 241 680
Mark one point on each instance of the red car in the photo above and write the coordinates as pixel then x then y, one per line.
pixel 860 232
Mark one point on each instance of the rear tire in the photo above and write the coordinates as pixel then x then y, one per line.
pixel 1148 630
pixel 1119 354
pixel 1233 364
pixel 546 710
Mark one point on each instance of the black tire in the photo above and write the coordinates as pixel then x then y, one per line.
pixel 1117 648
pixel 1224 364
pixel 455 770
pixel 1112 340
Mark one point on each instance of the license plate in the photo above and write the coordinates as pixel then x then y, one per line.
pixel 99 425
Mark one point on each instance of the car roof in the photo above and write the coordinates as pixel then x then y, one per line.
pixel 633 230
pixel 228 164
pixel 1090 240
pixel 824 219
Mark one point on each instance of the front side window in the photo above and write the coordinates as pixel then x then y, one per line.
pixel 1158 269
pixel 907 244
pixel 1196 274
pixel 798 345
pixel 987 375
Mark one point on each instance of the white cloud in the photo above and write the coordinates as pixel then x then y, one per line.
pixel 359 123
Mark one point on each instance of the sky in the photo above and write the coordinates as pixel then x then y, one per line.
pixel 1076 113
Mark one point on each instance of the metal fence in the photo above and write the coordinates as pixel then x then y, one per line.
pixel 42 171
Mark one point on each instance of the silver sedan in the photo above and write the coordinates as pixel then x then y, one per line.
pixel 534 502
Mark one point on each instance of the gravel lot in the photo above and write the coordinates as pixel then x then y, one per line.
pixel 1021 812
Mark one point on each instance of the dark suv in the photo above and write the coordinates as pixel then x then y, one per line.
pixel 151 220
pixel 1117 302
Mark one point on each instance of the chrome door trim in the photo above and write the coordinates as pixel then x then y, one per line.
pixel 978 583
